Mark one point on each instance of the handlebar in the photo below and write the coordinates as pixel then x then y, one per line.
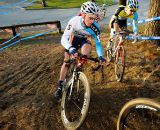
pixel 124 32
pixel 84 58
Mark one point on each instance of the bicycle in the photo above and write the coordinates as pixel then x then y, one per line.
pixel 76 94
pixel 139 114
pixel 118 53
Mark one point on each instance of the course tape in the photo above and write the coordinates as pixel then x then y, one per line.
pixel 15 10
pixel 9 45
pixel 30 3
pixel 29 37
pixel 146 20
pixel 36 35
pixel 11 5
pixel 10 39
pixel 143 38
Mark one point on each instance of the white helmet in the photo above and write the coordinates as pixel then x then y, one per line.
pixel 89 8
pixel 133 4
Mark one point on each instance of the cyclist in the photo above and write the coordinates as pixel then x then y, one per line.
pixel 77 34
pixel 119 20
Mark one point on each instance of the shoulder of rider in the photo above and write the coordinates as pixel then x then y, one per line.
pixel 73 21
pixel 96 28
pixel 120 8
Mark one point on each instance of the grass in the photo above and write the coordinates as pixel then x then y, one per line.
pixel 65 4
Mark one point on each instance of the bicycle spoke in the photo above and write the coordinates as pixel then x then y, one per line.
pixel 145 119
pixel 75 108
pixel 140 116
pixel 120 63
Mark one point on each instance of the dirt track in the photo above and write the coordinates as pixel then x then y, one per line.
pixel 28 76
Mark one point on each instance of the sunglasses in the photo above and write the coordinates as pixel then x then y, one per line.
pixel 91 18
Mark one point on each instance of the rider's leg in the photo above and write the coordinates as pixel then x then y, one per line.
pixel 63 72
pixel 64 67
pixel 86 49
pixel 114 27
pixel 75 42
pixel 112 39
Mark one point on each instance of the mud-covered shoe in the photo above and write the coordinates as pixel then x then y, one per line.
pixel 58 92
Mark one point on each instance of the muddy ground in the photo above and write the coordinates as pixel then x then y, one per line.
pixel 29 73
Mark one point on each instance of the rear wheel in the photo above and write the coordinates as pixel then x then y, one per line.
pixel 120 63
pixel 74 107
pixel 139 114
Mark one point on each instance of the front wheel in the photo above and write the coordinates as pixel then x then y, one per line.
pixel 120 63
pixel 139 114
pixel 75 104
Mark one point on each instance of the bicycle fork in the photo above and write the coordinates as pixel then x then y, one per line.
pixel 74 77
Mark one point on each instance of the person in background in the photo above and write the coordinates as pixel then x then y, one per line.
pixel 118 21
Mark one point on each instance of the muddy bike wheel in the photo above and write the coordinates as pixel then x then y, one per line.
pixel 120 63
pixel 139 114
pixel 74 108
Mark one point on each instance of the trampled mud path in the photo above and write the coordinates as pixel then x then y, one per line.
pixel 28 76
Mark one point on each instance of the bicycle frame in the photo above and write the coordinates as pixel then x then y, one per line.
pixel 77 70
pixel 120 43
pixel 75 75
pixel 118 53
pixel 76 95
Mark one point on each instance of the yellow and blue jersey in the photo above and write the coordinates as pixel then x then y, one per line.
pixel 120 14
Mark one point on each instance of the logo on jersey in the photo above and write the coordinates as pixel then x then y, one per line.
pixel 95 29
pixel 69 27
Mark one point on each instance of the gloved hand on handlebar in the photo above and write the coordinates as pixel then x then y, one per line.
pixel 102 59
pixel 72 50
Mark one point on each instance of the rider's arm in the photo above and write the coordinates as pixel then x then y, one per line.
pixel 98 44
pixel 116 26
pixel 115 16
pixel 95 32
pixel 99 48
pixel 67 35
pixel 135 23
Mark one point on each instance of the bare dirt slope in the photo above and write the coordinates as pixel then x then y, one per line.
pixel 28 76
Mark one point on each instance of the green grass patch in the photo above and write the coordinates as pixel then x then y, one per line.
pixel 65 4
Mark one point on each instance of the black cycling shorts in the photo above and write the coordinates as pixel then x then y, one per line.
pixel 122 23
pixel 78 42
